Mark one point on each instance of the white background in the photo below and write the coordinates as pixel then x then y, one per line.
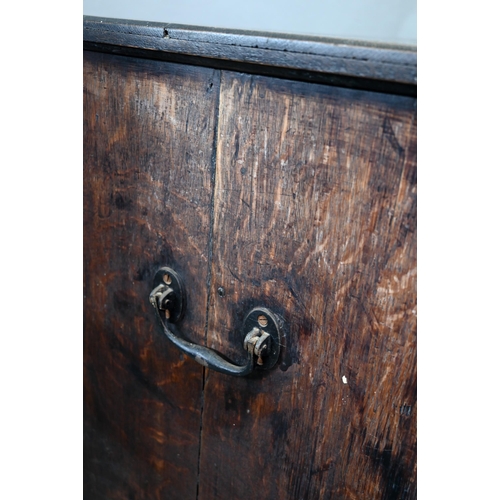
pixel 392 21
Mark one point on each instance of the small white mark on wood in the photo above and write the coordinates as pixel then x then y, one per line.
pixel 344 379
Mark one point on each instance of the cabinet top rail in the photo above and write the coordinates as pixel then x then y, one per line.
pixel 374 66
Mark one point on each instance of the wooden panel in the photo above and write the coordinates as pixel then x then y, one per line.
pixel 315 208
pixel 149 143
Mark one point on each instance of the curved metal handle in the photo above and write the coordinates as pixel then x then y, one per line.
pixel 261 342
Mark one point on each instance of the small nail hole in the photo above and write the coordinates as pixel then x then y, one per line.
pixel 167 279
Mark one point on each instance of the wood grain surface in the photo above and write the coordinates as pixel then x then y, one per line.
pixel 258 191
pixel 386 67
pixel 148 170
pixel 315 218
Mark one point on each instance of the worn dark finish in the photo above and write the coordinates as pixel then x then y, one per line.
pixel 315 217
pixel 382 86
pixel 380 67
pixel 259 192
pixel 148 169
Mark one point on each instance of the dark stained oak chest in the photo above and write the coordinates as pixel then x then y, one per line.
pixel 265 171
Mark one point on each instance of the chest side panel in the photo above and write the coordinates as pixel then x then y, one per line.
pixel 315 218
pixel 148 155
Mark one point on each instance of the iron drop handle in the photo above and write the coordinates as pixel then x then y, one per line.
pixel 262 329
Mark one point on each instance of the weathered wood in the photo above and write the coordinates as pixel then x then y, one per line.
pixel 381 67
pixel 148 166
pixel 315 218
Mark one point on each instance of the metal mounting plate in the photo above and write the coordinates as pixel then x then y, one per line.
pixel 257 318
pixel 168 277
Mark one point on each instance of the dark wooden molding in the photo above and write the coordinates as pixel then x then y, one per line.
pixel 347 63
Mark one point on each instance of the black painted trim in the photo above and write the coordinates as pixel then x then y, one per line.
pixel 347 63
